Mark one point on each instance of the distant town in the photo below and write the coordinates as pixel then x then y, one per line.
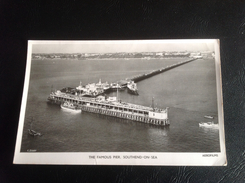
pixel 124 55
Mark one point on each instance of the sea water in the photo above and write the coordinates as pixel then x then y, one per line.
pixel 188 90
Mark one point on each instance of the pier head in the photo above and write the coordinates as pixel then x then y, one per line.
pixel 112 107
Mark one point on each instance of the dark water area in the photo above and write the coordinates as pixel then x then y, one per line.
pixel 188 90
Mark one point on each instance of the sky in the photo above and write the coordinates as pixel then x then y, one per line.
pixel 121 46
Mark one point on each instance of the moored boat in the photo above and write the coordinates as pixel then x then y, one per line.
pixel 132 88
pixel 115 86
pixel 70 107
pixel 92 89
pixel 103 86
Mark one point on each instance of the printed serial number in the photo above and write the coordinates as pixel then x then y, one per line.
pixel 31 150
pixel 210 155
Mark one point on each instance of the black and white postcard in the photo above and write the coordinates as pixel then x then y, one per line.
pixel 135 102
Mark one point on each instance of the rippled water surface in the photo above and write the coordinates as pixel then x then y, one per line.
pixel 189 91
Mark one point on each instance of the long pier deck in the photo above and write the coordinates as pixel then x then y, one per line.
pixel 154 72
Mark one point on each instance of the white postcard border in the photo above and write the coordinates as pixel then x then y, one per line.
pixel 123 158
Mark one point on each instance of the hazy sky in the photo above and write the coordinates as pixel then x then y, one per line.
pixel 121 46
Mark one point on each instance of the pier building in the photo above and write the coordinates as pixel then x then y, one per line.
pixel 113 107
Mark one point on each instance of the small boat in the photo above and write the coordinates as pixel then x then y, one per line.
pixel 33 132
pixel 94 93
pixel 115 86
pixel 70 107
pixel 104 86
pixel 209 117
pixel 208 124
pixel 132 88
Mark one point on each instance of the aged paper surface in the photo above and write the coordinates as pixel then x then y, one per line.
pixel 138 102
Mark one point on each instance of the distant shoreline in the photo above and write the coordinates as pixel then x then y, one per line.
pixel 110 58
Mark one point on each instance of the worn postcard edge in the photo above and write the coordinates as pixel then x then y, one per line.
pixel 123 158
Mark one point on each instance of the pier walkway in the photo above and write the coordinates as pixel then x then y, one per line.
pixel 154 72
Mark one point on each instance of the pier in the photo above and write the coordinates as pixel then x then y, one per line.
pixel 110 107
pixel 117 109
pixel 154 72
